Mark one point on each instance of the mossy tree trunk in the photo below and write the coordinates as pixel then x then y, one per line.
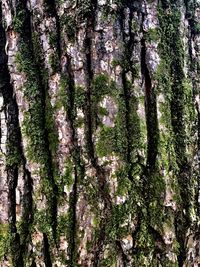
pixel 100 133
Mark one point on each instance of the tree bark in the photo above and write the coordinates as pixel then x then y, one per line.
pixel 100 133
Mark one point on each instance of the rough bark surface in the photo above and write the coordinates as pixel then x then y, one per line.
pixel 100 133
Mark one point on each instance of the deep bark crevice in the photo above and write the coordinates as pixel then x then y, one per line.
pixel 128 47
pixel 89 131
pixel 46 251
pixel 72 210
pixel 151 112
pixel 52 10
pixel 79 169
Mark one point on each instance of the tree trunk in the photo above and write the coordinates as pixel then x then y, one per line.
pixel 100 133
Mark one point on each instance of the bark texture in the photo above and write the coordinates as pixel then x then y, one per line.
pixel 100 133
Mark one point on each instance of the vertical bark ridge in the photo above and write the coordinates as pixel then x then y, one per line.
pixel 40 151
pixel 15 157
pixel 177 102
pixel 90 128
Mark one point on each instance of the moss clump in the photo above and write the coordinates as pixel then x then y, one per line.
pixel 177 116
pixel 33 125
pixel 86 8
pixel 156 199
pixel 191 15
pixel 144 240
pixel 18 20
pixel 115 63
pixel 106 142
pixel 4 238
pixel 116 139
pixel 54 62
pixel 173 84
pixel 42 222
pixel 36 122
pixel 102 86
pixel 64 225
pixel 152 35
pixel 51 127
pixel 52 39
pixel 62 96
pixel 80 97
pixel 111 257
pixel 171 51
pixel 13 156
pixel 69 25
pixel 115 230
pixel 53 59
pixel 67 179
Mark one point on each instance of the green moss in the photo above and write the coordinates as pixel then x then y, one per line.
pixel 156 199
pixel 71 98
pixel 106 142
pixel 144 239
pixel 135 27
pixel 35 124
pixel 118 226
pixel 4 239
pixel 62 97
pixel 115 63
pixel 85 9
pixel 52 39
pixel 13 156
pixel 177 91
pixel 33 128
pixel 80 97
pixel 51 127
pixel 53 59
pixel 191 15
pixel 54 62
pixel 68 177
pixel 42 223
pixel 121 133
pixel 123 183
pixel 116 139
pixel 113 139
pixel 196 28
pixel 63 225
pixel 38 124
pixel 114 227
pixel 69 25
pixel 18 20
pixel 100 87
pixel 177 112
pixel 102 111
pixel 111 258
pixel 152 35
